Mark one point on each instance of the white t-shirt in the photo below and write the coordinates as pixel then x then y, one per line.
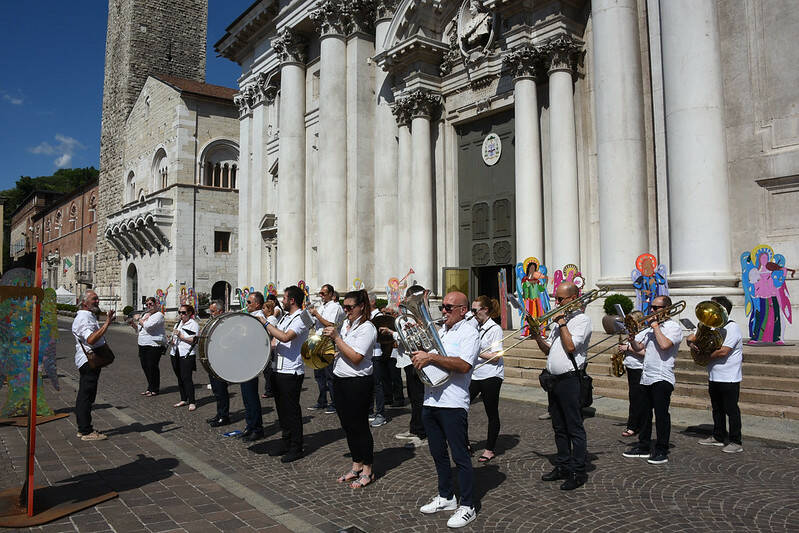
pixel 361 338
pixel 558 361
pixel 728 369
pixel 83 326
pixel 288 358
pixel 659 364
pixel 153 333
pixel 377 349
pixel 490 342
pixel 190 329
pixel 461 340
pixel 632 360
pixel 330 311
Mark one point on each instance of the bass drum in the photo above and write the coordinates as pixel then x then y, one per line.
pixel 234 347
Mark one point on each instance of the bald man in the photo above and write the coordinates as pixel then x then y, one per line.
pixel 565 348
pixel 446 408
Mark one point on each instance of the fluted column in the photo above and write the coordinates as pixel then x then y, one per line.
pixel 423 105
pixel 524 62
pixel 401 239
pixel 619 105
pixel 332 180
pixel 244 188
pixel 386 255
pixel 291 182
pixel 699 216
pixel 561 53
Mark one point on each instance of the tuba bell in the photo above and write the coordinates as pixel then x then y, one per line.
pixel 417 332
pixel 635 321
pixel 709 335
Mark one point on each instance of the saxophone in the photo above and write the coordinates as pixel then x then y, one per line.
pixel 617 360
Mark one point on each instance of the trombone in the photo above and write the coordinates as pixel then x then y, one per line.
pixel 635 321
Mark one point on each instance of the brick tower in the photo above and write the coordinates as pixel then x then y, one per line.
pixel 144 37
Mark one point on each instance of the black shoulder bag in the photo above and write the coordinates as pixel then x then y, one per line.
pixel 586 383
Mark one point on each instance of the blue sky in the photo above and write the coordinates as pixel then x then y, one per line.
pixel 51 81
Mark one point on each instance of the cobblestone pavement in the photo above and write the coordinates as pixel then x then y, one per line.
pixel 173 471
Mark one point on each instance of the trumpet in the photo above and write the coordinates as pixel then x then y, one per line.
pixel 709 335
pixel 635 321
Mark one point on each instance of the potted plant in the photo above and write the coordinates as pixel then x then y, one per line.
pixel 610 318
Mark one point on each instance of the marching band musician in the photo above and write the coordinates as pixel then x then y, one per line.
pixel 273 319
pixel 382 373
pixel 353 384
pixel 288 373
pixel 254 428
pixel 219 386
pixel 658 344
pixel 633 366
pixel 565 348
pixel 151 341
pixel 328 314
pixel 446 408
pixel 724 384
pixel 182 356
pixel 487 379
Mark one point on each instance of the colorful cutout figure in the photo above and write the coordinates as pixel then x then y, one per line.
pixel 571 273
pixel 188 296
pixel 532 287
pixel 270 288
pixel 16 317
pixel 304 288
pixel 649 281
pixel 161 296
pixel 357 284
pixel 766 294
pixel 393 293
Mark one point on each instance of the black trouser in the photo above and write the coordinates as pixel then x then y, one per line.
pixel 87 392
pixel 416 396
pixel 183 367
pixel 724 401
pixel 150 357
pixel 352 405
pixel 567 423
pixel 489 388
pixel 396 380
pixel 287 389
pixel 219 388
pixel 252 405
pixel 382 383
pixel 635 413
pixel 268 380
pixel 448 426
pixel 324 381
pixel 656 396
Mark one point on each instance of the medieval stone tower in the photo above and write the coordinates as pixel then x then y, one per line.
pixel 144 37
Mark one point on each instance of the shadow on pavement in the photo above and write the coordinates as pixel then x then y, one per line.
pixel 133 475
pixel 388 459
pixel 136 427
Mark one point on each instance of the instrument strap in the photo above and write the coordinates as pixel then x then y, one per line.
pixel 290 322
pixel 484 331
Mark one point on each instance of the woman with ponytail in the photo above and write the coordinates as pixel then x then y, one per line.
pixel 487 378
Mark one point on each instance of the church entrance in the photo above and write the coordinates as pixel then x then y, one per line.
pixel 221 291
pixel 133 286
pixel 486 196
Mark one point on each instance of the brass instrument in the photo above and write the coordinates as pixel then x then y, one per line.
pixel 318 350
pixel 617 361
pixel 566 309
pixel 709 335
pixel 635 321
pixel 417 332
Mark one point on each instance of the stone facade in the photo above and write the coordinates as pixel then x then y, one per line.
pixel 22 239
pixel 144 37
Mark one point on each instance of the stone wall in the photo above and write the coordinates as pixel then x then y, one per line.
pixel 143 37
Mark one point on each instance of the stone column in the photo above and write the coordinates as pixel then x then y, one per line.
pixel 243 186
pixel 561 52
pixel 400 241
pixel 699 216
pixel 423 104
pixel 386 257
pixel 619 105
pixel 291 48
pixel 524 62
pixel 331 183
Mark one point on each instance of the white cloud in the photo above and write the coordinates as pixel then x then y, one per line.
pixel 65 149
pixel 11 99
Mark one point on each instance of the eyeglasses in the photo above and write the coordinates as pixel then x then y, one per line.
pixel 183 312
pixel 560 298
pixel 659 306
pixel 449 307
pixel 475 310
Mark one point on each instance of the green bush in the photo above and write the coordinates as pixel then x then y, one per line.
pixel 380 303
pixel 613 299
pixel 127 310
pixel 67 307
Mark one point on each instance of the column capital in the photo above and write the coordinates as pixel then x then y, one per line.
pixel 423 103
pixel 561 53
pixel 265 84
pixel 524 61
pixel 385 9
pixel 291 47
pixel 360 16
pixel 401 111
pixel 330 18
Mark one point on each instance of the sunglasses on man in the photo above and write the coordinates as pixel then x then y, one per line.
pixel 449 307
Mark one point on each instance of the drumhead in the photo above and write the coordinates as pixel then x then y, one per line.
pixel 236 347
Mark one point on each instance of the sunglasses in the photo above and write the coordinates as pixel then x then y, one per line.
pixel 560 298
pixel 183 312
pixel 449 307
pixel 348 308
pixel 475 310
pixel 659 306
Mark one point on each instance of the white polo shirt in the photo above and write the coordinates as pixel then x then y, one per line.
pixel 659 364
pixel 729 369
pixel 461 340
pixel 377 349
pixel 153 333
pixel 632 360
pixel 361 338
pixel 558 361
pixel 288 358
pixel 83 326
pixel 330 311
pixel 190 329
pixel 490 342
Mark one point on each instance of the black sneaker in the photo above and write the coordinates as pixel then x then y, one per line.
pixel 573 481
pixel 291 456
pixel 277 452
pixel 658 458
pixel 221 421
pixel 253 436
pixel 636 452
pixel 556 474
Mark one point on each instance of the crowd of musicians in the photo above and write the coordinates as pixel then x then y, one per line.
pixel 361 375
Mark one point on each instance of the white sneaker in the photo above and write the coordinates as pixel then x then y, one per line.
pixel 462 516
pixel 439 504
pixel 404 435
pixel 415 442
pixel 733 447
pixel 94 435
pixel 710 441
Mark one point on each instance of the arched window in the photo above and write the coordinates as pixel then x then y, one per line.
pixel 130 188
pixel 219 164
pixel 73 216
pixel 92 208
pixel 160 170
pixel 58 222
pixel 47 230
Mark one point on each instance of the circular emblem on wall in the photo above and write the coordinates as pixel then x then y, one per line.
pixel 492 149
